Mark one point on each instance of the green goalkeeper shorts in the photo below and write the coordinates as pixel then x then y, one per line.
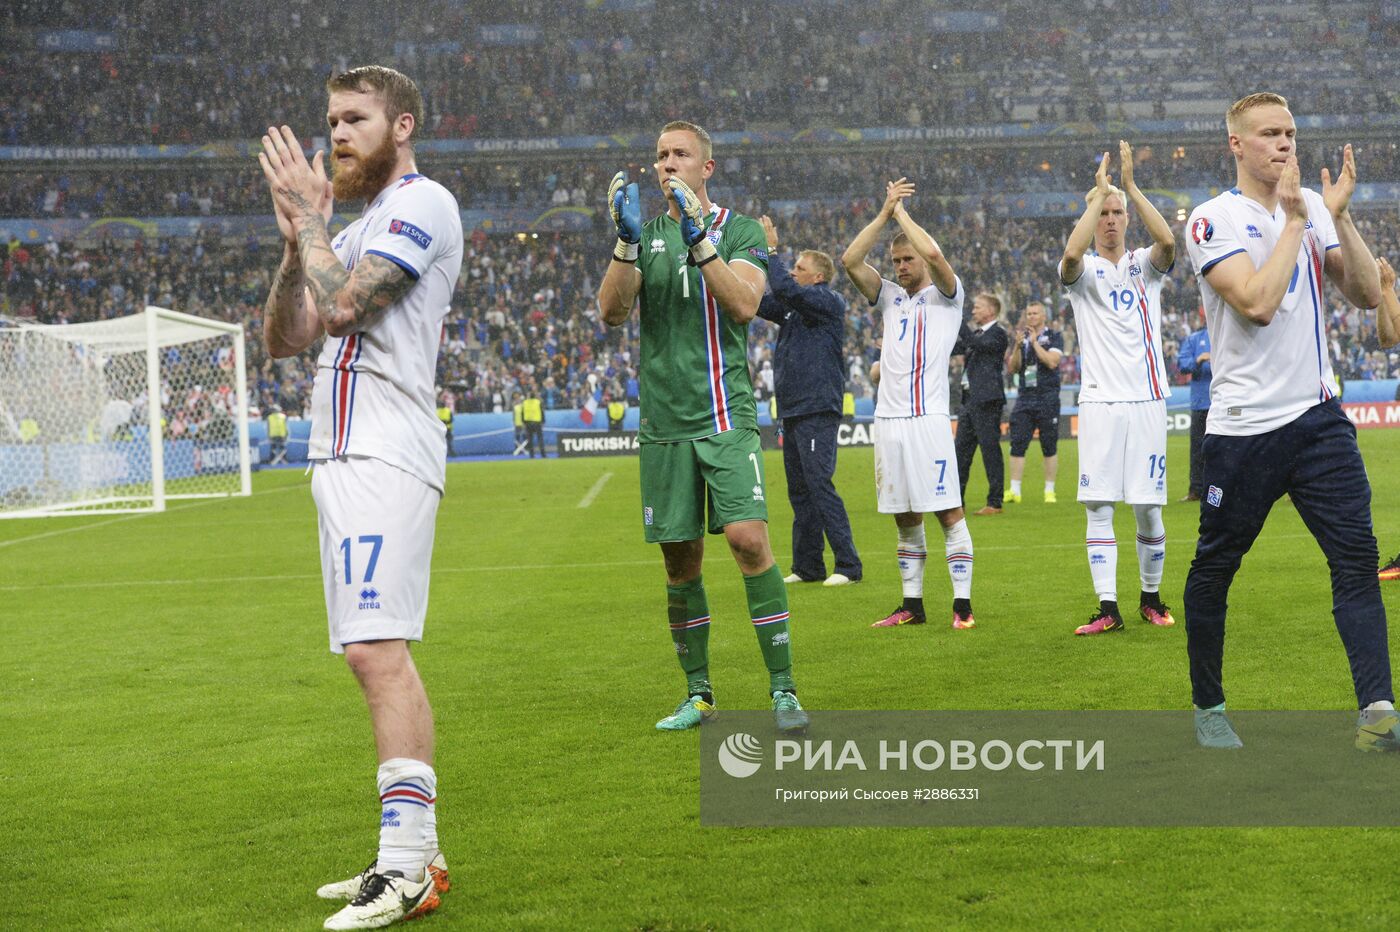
pixel 678 479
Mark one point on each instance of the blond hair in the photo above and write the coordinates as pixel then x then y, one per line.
pixel 1262 99
pixel 675 125
pixel 824 266
pixel 400 94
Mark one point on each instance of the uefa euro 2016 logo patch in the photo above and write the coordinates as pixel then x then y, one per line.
pixel 1202 230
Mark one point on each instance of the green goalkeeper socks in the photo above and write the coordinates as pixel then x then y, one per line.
pixel 768 608
pixel 689 615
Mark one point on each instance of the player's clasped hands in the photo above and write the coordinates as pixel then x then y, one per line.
pixel 298 187
pixel 895 194
pixel 1125 164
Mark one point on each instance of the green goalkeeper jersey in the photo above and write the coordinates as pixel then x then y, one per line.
pixel 694 366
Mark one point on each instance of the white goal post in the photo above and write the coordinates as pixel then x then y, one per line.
pixel 121 415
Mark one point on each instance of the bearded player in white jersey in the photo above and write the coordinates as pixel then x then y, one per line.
pixel 378 293
pixel 1262 252
pixel 916 465
pixel 1116 296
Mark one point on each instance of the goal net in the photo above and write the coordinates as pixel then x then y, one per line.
pixel 121 415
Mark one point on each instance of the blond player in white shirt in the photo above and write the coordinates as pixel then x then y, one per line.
pixel 1261 251
pixel 379 294
pixel 1116 295
pixel 916 466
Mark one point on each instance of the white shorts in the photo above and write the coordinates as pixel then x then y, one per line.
pixel 916 468
pixel 1123 452
pixel 376 548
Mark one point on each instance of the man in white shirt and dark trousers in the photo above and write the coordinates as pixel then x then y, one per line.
pixel 1276 426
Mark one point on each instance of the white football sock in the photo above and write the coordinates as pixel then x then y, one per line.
pixel 1103 550
pixel 1015 486
pixel 1151 545
pixel 407 792
pixel 913 554
pixel 957 546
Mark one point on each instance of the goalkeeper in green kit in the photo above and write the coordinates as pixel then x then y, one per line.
pixel 698 272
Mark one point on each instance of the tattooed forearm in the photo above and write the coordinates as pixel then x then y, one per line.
pixel 287 329
pixel 375 284
pixel 347 301
pixel 325 276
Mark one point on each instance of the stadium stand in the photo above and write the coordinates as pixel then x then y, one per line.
pixel 1000 197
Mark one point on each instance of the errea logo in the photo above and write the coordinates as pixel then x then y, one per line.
pixel 658 245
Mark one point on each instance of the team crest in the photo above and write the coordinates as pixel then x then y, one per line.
pixel 713 236
pixel 1202 230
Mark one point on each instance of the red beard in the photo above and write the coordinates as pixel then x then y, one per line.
pixel 367 175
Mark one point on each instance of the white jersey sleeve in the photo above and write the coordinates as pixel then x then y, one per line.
pixel 375 391
pixel 1263 377
pixel 412 229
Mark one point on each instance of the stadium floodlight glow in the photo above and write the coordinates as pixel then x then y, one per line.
pixel 121 415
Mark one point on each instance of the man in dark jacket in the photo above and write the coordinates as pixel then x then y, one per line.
pixel 983 345
pixel 809 379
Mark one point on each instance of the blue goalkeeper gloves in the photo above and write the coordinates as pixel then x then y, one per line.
pixel 625 204
pixel 692 222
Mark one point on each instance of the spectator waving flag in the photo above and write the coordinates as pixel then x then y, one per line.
pixel 590 408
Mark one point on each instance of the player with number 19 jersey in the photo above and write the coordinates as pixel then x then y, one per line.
pixel 1118 317
pixel 694 359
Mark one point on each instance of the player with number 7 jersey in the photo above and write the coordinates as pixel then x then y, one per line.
pixel 915 459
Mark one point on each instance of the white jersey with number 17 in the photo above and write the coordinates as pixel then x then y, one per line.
pixel 374 393
pixel 1118 317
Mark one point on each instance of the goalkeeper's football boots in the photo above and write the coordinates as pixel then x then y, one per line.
pixel 788 714
pixel 1391 570
pixel 691 713
pixel 900 616
pixel 1213 729
pixel 1101 622
pixel 384 899
pixel 347 889
pixel 1375 730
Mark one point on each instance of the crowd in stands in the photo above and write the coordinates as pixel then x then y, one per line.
pixel 192 73
pixel 581 182
pixel 523 316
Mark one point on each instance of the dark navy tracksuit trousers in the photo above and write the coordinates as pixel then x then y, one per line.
pixel 809 459
pixel 1315 460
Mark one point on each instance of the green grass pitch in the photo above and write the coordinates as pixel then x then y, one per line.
pixel 178 750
